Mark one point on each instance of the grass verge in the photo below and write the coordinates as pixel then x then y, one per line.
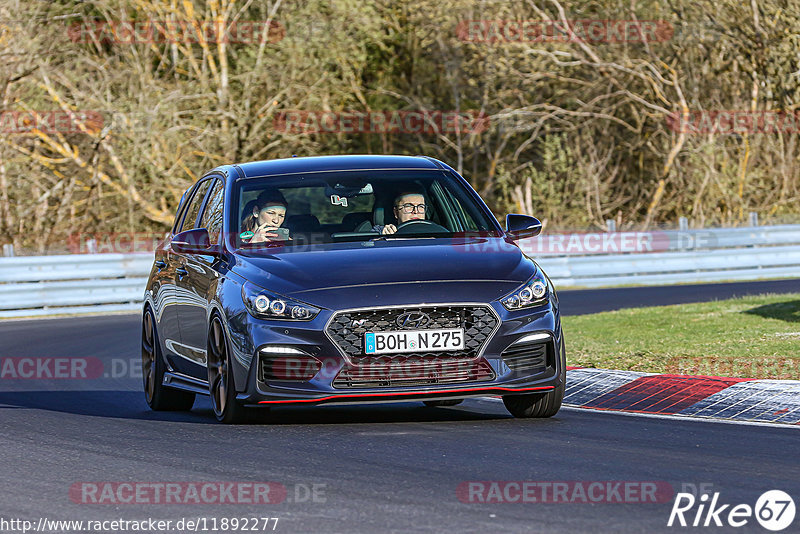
pixel 749 337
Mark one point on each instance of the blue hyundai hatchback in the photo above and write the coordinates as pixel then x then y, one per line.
pixel 347 279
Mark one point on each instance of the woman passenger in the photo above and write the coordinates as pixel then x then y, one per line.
pixel 269 213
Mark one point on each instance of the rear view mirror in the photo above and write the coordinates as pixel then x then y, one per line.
pixel 520 226
pixel 349 190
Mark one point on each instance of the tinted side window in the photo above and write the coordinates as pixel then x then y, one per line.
pixel 193 209
pixel 212 214
pixel 179 211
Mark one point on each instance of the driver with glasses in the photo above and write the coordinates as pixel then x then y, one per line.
pixel 407 207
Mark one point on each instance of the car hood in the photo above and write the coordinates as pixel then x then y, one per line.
pixel 389 272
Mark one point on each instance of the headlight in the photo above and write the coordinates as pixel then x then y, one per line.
pixel 265 305
pixel 533 293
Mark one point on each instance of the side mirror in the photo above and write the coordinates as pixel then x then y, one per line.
pixel 519 226
pixel 193 242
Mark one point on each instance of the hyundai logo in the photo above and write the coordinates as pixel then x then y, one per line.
pixel 415 319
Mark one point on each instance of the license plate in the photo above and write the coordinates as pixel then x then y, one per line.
pixel 414 341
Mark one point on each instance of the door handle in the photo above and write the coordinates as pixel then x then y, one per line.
pixel 160 264
pixel 181 272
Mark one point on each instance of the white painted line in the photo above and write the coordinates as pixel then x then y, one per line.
pixel 781 399
pixel 683 418
pixel 766 408
pixel 664 416
pixel 752 400
pixel 74 315
pixel 722 400
pixel 792 415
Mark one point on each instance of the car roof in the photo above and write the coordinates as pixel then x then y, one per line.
pixel 336 163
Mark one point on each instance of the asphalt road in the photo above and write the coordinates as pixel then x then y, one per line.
pixel 376 468
pixel 583 301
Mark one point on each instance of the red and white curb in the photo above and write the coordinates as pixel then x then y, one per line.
pixel 711 397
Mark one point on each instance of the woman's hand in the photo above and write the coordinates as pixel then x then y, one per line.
pixel 263 233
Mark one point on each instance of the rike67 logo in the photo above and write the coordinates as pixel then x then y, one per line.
pixel 774 510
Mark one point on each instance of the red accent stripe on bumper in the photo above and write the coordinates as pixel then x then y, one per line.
pixel 404 393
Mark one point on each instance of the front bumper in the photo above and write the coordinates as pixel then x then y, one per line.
pixel 520 355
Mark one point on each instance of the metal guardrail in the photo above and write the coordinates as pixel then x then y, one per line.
pixel 79 283
pixel 72 283
pixel 664 241
pixel 709 255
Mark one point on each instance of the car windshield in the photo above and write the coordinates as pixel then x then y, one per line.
pixel 326 207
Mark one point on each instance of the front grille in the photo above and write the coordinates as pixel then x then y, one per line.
pixel 528 358
pixel 390 371
pixel 347 328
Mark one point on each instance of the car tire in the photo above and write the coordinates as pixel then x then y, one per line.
pixel 540 405
pixel 158 396
pixel 221 388
pixel 441 403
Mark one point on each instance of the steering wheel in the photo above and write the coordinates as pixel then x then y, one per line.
pixel 421 226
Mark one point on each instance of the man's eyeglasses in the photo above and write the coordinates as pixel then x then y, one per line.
pixel 411 208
